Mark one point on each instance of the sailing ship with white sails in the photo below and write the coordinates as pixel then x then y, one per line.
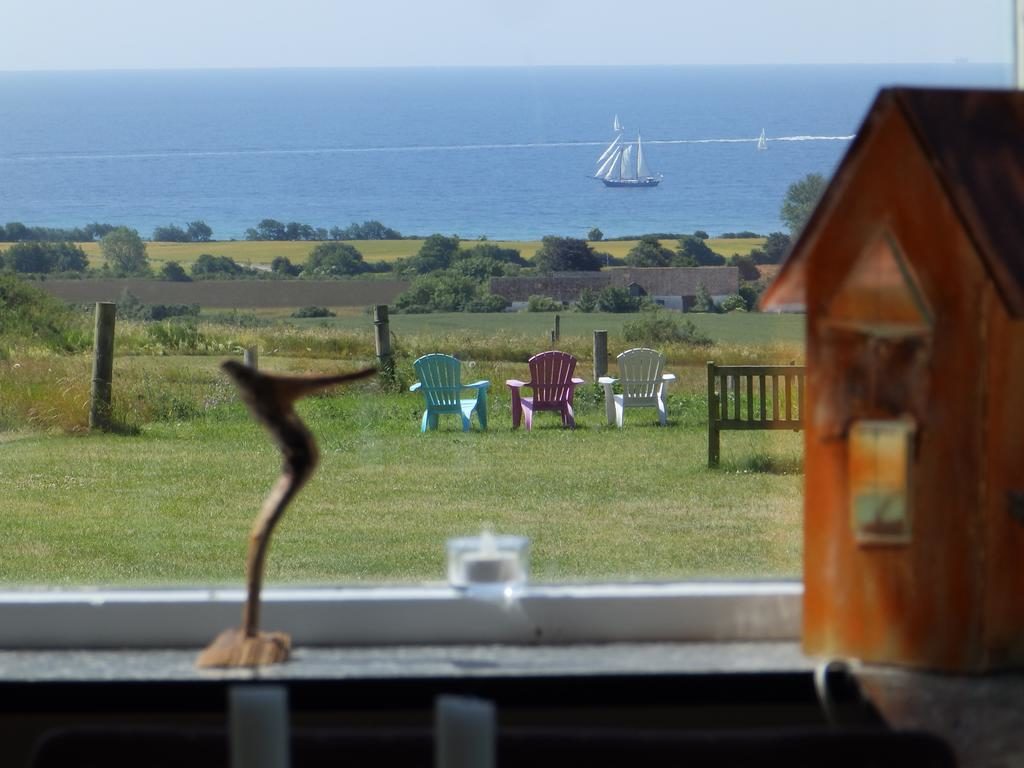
pixel 762 142
pixel 622 164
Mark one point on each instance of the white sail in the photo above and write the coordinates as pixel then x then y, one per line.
pixel 642 170
pixel 616 125
pixel 609 166
pixel 611 148
pixel 626 169
pixel 762 143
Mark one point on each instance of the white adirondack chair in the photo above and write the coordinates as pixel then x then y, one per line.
pixel 643 384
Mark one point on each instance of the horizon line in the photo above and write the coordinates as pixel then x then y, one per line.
pixel 309 67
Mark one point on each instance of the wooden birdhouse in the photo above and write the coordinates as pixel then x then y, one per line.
pixel 911 269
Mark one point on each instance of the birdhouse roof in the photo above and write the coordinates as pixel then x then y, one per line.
pixel 974 142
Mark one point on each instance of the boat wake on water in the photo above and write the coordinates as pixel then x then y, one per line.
pixel 157 154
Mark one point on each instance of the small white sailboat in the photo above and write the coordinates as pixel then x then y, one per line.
pixel 619 166
pixel 762 143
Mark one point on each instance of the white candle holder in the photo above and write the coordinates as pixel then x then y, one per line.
pixel 488 561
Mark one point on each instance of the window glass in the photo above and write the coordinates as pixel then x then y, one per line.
pixel 507 180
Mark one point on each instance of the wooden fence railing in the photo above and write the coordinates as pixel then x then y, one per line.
pixel 753 397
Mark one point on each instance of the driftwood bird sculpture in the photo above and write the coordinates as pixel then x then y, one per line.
pixel 271 399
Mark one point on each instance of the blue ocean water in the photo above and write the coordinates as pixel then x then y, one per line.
pixel 502 153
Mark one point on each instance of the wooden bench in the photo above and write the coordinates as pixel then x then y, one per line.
pixel 753 397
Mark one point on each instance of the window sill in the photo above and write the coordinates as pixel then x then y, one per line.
pixel 338 617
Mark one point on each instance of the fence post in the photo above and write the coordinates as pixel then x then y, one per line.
pixel 557 333
pixel 102 365
pixel 382 340
pixel 251 357
pixel 600 354
pixel 713 443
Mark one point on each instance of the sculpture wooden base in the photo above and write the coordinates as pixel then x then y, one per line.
pixel 232 648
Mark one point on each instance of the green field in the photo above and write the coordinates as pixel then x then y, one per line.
pixel 171 496
pixel 751 329
pixel 262 253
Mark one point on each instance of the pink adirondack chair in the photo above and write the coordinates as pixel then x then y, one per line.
pixel 553 385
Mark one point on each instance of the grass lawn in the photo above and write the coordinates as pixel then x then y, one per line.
pixel 262 253
pixel 174 502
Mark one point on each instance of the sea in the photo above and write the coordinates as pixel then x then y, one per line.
pixel 497 153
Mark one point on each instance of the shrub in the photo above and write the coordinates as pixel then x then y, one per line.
pixel 282 265
pixel 704 302
pixel 440 292
pixel 174 272
pixel 661 327
pixel 587 301
pixel 543 304
pixel 488 302
pixel 30 317
pixel 614 299
pixel 734 303
pixel 333 260
pixel 313 312
pixel 208 265
pixel 130 307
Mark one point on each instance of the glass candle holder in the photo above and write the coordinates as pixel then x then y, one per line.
pixel 488 560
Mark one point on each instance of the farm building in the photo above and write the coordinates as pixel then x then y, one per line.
pixel 671 287
pixel 912 271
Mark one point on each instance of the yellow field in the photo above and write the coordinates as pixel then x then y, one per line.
pixel 261 252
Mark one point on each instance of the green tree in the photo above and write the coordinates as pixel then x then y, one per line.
pixel 748 269
pixel 566 254
pixel 40 258
pixel 199 232
pixel 694 252
pixel 436 253
pixel 595 235
pixel 776 246
pixel 368 230
pixel 170 234
pixel 174 272
pixel 267 229
pixel 334 259
pixel 282 265
pixel 492 251
pixel 649 252
pixel 800 201
pixel 125 252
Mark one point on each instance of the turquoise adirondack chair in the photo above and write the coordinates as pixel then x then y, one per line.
pixel 553 386
pixel 440 381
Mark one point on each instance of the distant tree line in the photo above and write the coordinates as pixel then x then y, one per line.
pixel 272 229
pixel 16 232
pixel 193 232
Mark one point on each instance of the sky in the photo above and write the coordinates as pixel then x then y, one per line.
pixel 190 34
